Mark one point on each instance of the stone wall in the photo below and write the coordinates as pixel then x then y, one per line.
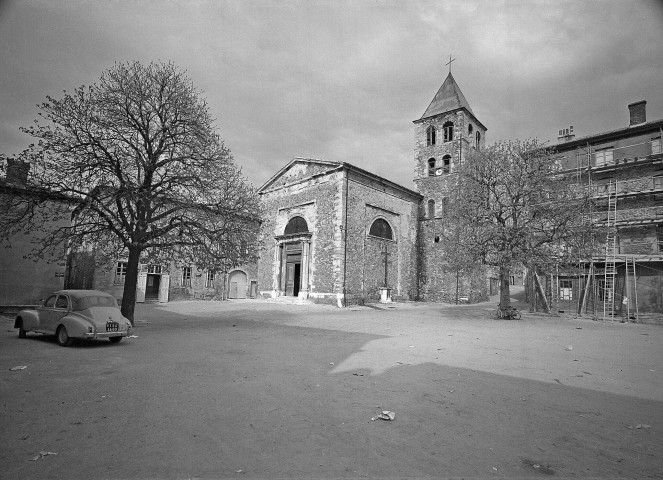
pixel 438 281
pixel 24 281
pixel 368 201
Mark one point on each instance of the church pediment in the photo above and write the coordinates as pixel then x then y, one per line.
pixel 297 170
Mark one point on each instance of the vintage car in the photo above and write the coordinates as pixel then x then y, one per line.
pixel 72 314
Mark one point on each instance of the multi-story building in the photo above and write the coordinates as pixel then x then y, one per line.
pixel 623 169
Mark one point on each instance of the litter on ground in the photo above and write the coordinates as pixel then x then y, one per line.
pixel 20 367
pixel 385 415
pixel 41 455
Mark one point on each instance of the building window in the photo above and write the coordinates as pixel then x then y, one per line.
pixel 605 294
pixel 446 166
pixel 656 145
pixel 186 276
pixel 296 225
pixel 431 167
pixel 209 279
pixel 381 229
pixel 437 239
pixel 448 128
pixel 445 206
pixel 603 156
pixel 659 241
pixel 470 129
pixel 430 135
pixel 154 269
pixel 120 273
pixel 431 208
pixel 566 289
pixel 478 139
pixel 658 182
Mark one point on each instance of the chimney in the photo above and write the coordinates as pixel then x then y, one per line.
pixel 566 134
pixel 17 172
pixel 638 112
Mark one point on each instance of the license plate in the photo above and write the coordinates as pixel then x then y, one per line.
pixel 112 326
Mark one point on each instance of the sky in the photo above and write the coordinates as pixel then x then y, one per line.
pixel 344 80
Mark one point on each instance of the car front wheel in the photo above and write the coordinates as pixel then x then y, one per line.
pixel 62 337
pixel 115 339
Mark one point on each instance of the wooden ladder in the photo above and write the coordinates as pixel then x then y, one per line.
pixel 610 253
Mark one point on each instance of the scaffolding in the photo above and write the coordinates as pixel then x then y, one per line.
pixel 633 294
pixel 607 284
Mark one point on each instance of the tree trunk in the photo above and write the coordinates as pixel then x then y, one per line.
pixel 542 294
pixel 505 293
pixel 130 284
pixel 457 279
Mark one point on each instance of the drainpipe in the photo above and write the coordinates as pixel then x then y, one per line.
pixel 345 239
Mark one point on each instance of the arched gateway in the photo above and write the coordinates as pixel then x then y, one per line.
pixel 237 284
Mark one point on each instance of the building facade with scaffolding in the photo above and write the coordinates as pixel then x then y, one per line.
pixel 623 170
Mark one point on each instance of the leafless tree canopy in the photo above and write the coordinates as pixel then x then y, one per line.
pixel 139 164
pixel 513 207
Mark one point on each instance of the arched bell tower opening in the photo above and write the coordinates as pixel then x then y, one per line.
pixel 294 248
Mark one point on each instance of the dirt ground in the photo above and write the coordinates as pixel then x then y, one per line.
pixel 257 389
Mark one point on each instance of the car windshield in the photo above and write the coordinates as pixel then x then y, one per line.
pixel 91 301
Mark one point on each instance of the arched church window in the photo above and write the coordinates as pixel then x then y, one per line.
pixel 381 228
pixel 296 225
pixel 478 139
pixel 446 166
pixel 470 128
pixel 431 167
pixel 448 128
pixel 445 206
pixel 430 135
pixel 431 208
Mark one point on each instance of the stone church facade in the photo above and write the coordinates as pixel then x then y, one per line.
pixel 336 233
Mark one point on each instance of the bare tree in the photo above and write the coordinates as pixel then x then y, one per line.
pixel 142 171
pixel 514 207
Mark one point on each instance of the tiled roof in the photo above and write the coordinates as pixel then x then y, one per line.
pixel 448 98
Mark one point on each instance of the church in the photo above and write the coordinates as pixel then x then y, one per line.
pixel 335 233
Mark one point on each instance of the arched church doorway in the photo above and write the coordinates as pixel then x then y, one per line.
pixel 294 247
pixel 237 284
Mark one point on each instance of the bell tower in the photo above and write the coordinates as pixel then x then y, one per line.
pixel 443 136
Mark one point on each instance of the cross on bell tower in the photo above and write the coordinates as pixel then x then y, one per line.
pixel 449 62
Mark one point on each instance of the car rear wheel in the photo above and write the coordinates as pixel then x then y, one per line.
pixel 62 337
pixel 21 332
pixel 115 339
